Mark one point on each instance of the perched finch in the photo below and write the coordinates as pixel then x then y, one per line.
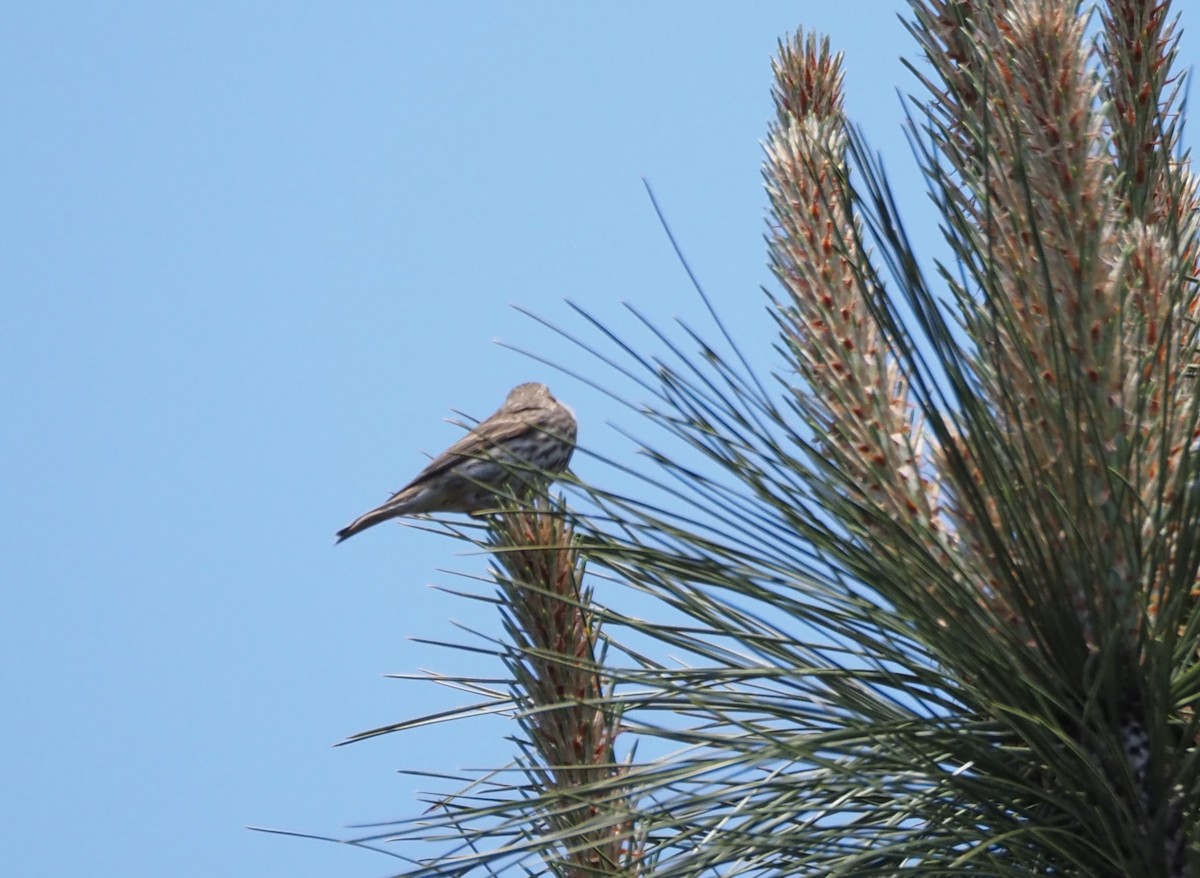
pixel 531 434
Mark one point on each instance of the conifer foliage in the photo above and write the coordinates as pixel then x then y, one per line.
pixel 929 591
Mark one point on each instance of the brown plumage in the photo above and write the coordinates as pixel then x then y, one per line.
pixel 531 435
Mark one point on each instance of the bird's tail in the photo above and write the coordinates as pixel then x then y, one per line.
pixel 391 509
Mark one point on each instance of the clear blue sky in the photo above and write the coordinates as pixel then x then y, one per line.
pixel 253 254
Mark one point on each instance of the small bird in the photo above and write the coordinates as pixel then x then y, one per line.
pixel 530 435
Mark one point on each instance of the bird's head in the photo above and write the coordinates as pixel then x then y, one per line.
pixel 530 395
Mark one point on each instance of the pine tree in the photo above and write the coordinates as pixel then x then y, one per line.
pixel 929 594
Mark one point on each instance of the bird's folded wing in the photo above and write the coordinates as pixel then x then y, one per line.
pixel 475 444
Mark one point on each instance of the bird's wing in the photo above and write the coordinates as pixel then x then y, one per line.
pixel 486 435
